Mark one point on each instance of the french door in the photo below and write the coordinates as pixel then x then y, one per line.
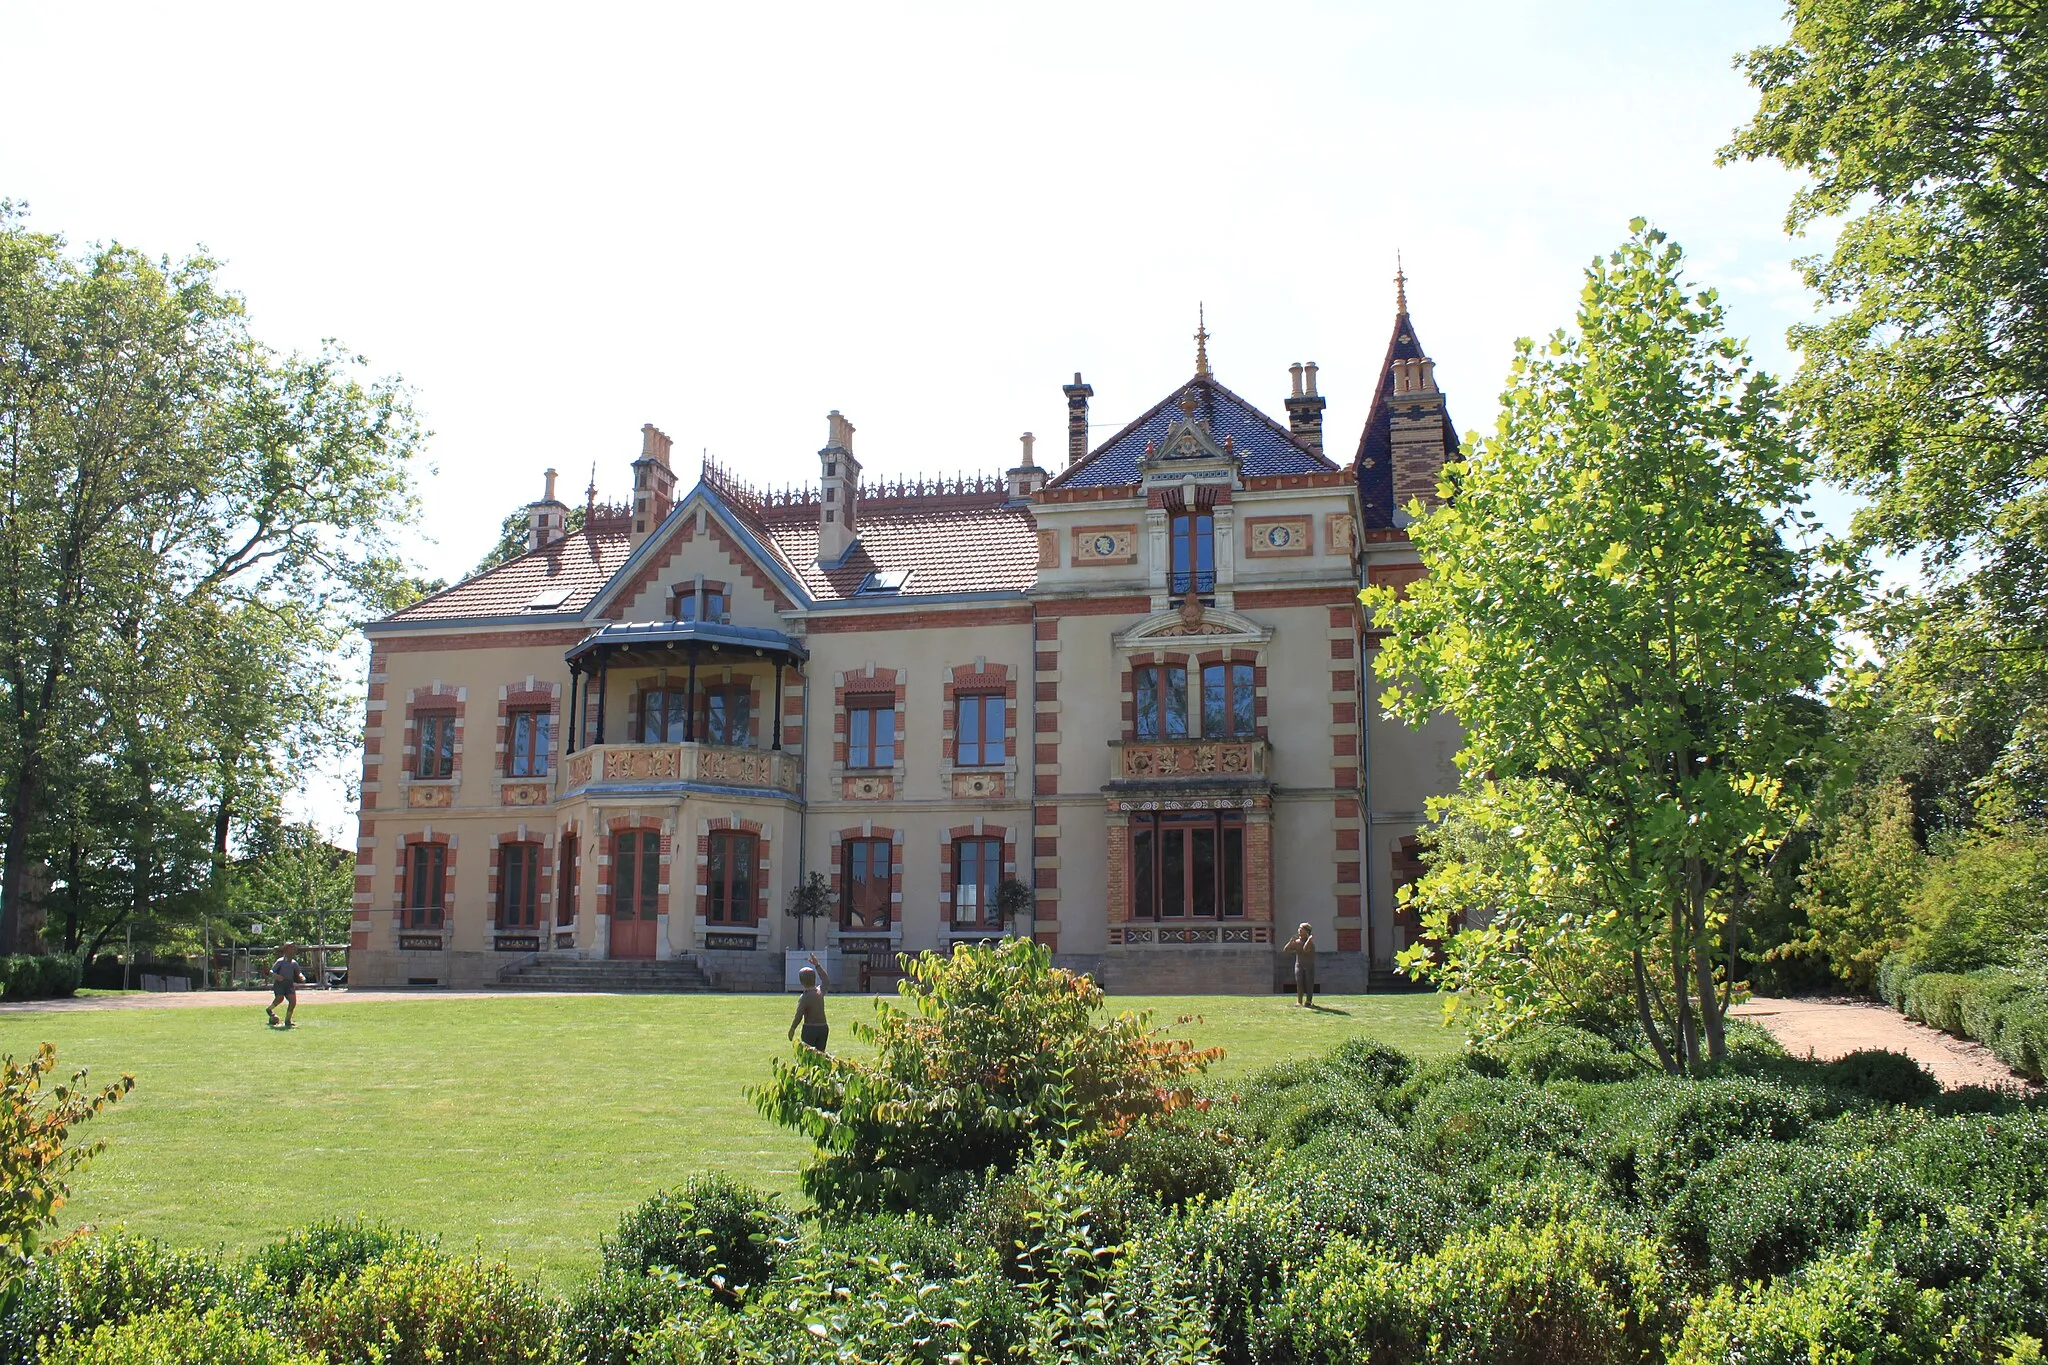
pixel 636 899
pixel 1187 865
pixel 864 885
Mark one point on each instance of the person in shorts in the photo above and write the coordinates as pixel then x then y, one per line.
pixel 1303 946
pixel 285 977
pixel 810 1006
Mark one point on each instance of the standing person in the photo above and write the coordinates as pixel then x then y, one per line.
pixel 810 1006
pixel 285 977
pixel 1303 946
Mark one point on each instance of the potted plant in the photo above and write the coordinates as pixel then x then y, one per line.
pixel 1013 901
pixel 809 899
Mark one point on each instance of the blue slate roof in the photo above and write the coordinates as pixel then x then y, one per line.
pixel 1376 442
pixel 1262 444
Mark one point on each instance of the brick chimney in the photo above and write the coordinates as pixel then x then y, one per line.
pixel 547 520
pixel 1078 395
pixel 1305 408
pixel 1026 478
pixel 654 483
pixel 839 513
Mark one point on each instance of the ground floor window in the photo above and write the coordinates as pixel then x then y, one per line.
pixel 977 873
pixel 729 879
pixel 565 882
pixel 864 884
pixel 426 885
pixel 1187 864
pixel 518 886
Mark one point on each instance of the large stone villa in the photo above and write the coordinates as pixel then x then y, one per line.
pixel 1138 683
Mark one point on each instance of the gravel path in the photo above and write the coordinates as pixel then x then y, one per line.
pixel 1827 1029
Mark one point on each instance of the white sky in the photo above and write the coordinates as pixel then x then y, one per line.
pixel 727 219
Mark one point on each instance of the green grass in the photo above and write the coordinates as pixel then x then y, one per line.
pixel 525 1125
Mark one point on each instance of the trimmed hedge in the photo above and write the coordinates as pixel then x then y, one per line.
pixel 38 976
pixel 2004 1010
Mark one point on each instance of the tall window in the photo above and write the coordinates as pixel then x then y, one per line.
pixel 531 738
pixel 664 715
pixel 1229 710
pixel 729 881
pixel 426 885
pixel 1194 553
pixel 864 884
pixel 437 743
pixel 871 732
pixel 1187 865
pixel 636 875
pixel 565 881
pixel 978 725
pixel 1162 701
pixel 518 886
pixel 977 872
pixel 727 715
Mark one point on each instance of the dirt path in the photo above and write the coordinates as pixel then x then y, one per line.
pixel 1828 1029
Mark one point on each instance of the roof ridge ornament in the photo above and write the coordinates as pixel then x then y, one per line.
pixel 1202 343
pixel 1400 286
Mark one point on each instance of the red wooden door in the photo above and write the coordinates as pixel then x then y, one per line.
pixel 636 879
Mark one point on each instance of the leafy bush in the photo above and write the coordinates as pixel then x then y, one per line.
pixel 37 1155
pixel 1550 1052
pixel 107 1280
pixel 2022 1041
pixel 924 1246
pixel 986 1051
pixel 715 1230
pixel 1371 1063
pixel 1170 1160
pixel 1842 1309
pixel 1768 1208
pixel 1346 1184
pixel 178 1336
pixel 1996 1162
pixel 419 1308
pixel 1487 1129
pixel 1332 1102
pixel 1893 975
pixel 38 976
pixel 1512 1295
pixel 1936 1000
pixel 1886 1077
pixel 1236 1257
pixel 605 1322
pixel 1979 904
pixel 1034 1217
pixel 1985 999
pixel 1660 1132
pixel 332 1248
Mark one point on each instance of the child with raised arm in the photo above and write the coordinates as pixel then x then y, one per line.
pixel 810 1006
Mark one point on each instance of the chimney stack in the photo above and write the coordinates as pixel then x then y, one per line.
pixel 1078 395
pixel 1027 478
pixel 654 482
pixel 839 508
pixel 1305 407
pixel 547 521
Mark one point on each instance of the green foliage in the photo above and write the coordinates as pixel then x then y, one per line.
pixel 1880 1076
pixel 1658 1134
pixel 95 1281
pixel 420 1308
pixel 1353 1185
pixel 1561 1052
pixel 1765 1209
pixel 1168 1159
pixel 1620 617
pixel 1488 1130
pixel 332 1248
pixel 986 1051
pixel 604 1322
pixel 38 976
pixel 1979 906
pixel 1857 888
pixel 1843 1311
pixel 716 1230
pixel 810 900
pixel 1237 1257
pixel 179 1336
pixel 37 1154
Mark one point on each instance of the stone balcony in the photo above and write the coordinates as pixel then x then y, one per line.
pixel 659 765
pixel 1183 760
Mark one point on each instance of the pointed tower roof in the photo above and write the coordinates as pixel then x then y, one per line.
pixel 1376 444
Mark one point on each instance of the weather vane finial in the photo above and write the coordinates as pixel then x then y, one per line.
pixel 1201 342
pixel 1400 285
pixel 590 493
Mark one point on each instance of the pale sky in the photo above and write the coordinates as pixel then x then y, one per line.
pixel 560 223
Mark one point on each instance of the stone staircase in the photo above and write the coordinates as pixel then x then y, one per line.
pixel 639 978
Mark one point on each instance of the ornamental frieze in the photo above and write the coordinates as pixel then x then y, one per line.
pixel 651 763
pixel 1221 759
pixel 523 794
pixel 421 797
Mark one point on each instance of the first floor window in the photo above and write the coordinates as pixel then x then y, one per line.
pixel 1187 865
pixel 978 726
pixel 1161 710
pixel 864 884
pixel 565 881
pixel 1229 708
pixel 437 744
pixel 532 734
pixel 871 732
pixel 426 885
pixel 518 886
pixel 728 716
pixel 977 873
pixel 664 715
pixel 729 878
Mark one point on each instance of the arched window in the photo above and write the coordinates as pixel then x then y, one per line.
pixel 1229 705
pixel 1161 701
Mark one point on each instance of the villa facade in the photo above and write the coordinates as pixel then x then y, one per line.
pixel 1138 684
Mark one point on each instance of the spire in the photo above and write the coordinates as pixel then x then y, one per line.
pixel 1201 343
pixel 590 493
pixel 1400 287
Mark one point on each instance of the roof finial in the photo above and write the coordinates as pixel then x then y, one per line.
pixel 1400 286
pixel 590 493
pixel 1201 343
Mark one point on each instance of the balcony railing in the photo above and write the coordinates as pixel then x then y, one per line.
pixel 709 764
pixel 1142 760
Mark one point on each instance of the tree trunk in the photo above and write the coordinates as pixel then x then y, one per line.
pixel 24 813
pixel 1688 1034
pixel 74 866
pixel 1703 962
pixel 1644 1015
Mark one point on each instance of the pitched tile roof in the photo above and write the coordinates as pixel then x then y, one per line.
pixel 576 567
pixel 1264 446
pixel 946 549
pixel 1376 443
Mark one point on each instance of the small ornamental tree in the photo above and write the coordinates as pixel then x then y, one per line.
pixel 36 1154
pixel 1620 616
pixel 986 1052
pixel 1013 901
pixel 809 899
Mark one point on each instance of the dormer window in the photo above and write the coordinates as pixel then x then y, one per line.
pixel 708 606
pixel 882 581
pixel 1193 538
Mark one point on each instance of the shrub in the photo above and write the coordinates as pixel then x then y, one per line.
pixel 178 1336
pixel 1170 1160
pixel 415 1308
pixel 1490 1129
pixel 1512 1295
pixel 1372 1063
pixel 605 1322
pixel 37 1155
pixel 107 1280
pixel 1842 1309
pixel 1980 903
pixel 715 1230
pixel 1349 1185
pixel 1236 1257
pixel 1550 1052
pixel 1886 1077
pixel 1985 999
pixel 38 976
pixel 924 1246
pixel 1331 1103
pixel 1936 1000
pixel 1768 1208
pixel 1051 1210
pixel 329 1249
pixel 1658 1133
pixel 987 1051
pixel 1997 1162
pixel 1893 975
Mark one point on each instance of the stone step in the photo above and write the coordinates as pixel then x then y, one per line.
pixel 643 977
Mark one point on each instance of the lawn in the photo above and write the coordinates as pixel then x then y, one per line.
pixel 525 1125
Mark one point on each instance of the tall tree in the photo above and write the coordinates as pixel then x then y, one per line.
pixel 1925 122
pixel 1618 614
pixel 162 476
